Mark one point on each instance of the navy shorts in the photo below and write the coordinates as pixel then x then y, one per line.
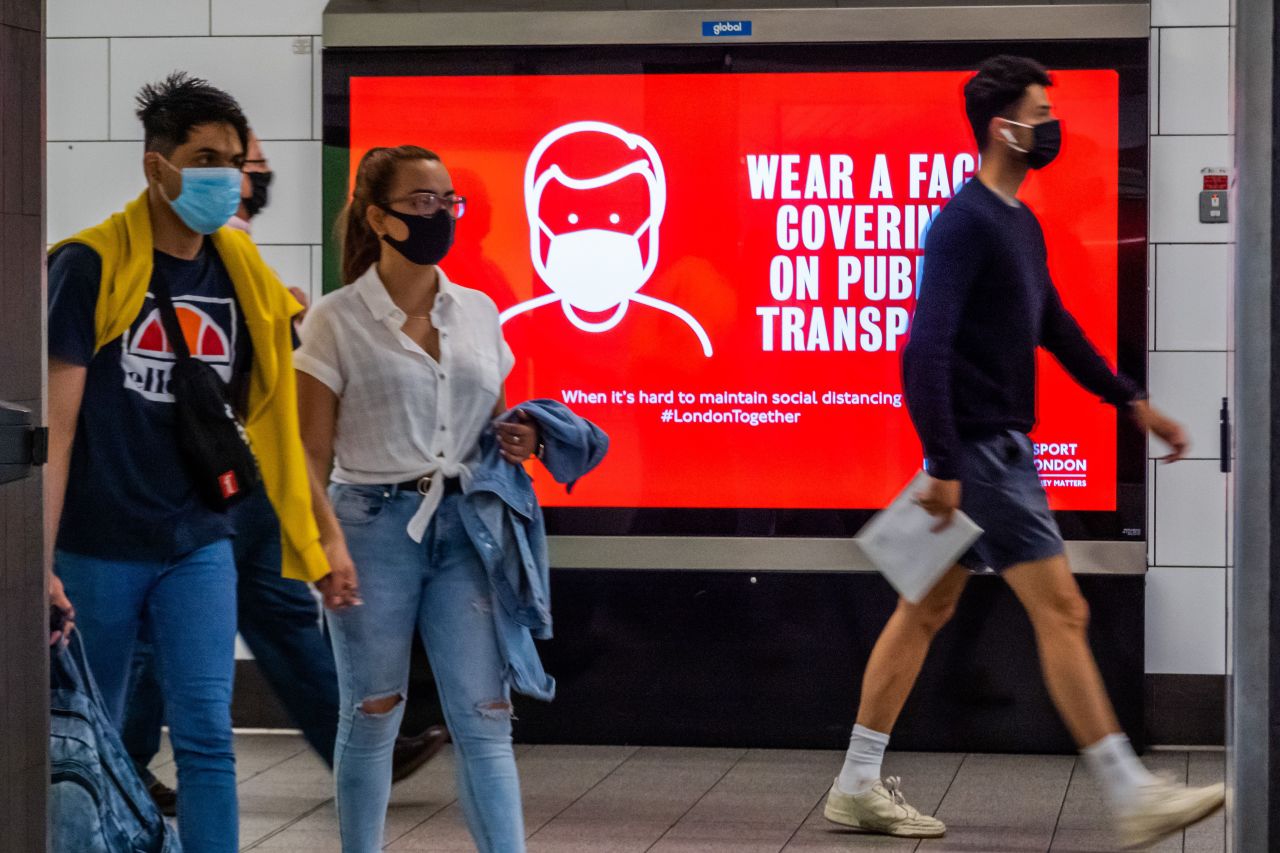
pixel 1000 490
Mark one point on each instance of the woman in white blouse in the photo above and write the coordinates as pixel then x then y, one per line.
pixel 400 372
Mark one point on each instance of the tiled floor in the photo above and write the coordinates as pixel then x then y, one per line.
pixel 617 799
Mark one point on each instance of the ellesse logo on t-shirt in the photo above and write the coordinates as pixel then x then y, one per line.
pixel 209 327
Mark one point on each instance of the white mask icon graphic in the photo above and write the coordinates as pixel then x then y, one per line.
pixel 597 269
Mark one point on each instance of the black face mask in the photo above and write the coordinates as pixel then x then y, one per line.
pixel 1046 141
pixel 257 198
pixel 430 237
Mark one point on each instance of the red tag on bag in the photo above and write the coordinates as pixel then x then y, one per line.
pixel 228 484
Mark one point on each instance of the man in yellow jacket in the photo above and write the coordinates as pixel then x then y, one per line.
pixel 135 543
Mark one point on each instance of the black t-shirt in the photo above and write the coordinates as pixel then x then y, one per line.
pixel 128 494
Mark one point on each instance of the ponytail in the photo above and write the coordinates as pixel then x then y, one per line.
pixel 375 175
pixel 360 249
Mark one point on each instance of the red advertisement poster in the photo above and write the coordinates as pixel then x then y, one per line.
pixel 720 269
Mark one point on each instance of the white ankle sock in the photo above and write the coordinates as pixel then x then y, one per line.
pixel 862 762
pixel 1117 768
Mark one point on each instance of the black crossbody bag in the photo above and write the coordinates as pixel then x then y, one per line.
pixel 212 441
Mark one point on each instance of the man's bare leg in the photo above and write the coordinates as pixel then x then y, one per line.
pixel 900 651
pixel 858 798
pixel 1060 616
pixel 1145 807
pixel 890 675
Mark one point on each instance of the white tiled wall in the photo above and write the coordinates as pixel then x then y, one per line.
pixel 1189 386
pixel 1190 13
pixel 88 181
pixel 1176 162
pixel 80 96
pixel 1191 334
pixel 291 263
pixel 1192 296
pixel 1190 514
pixel 267 55
pixel 1186 619
pixel 1193 90
pixel 80 18
pixel 256 18
pixel 294 214
pixel 270 77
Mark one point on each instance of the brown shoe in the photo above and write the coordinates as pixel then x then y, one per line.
pixel 165 798
pixel 411 753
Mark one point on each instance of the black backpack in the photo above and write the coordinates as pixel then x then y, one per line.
pixel 213 442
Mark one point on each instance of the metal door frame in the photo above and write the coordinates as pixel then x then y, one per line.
pixel 1255 622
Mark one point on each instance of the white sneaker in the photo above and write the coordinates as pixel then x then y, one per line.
pixel 883 810
pixel 1163 808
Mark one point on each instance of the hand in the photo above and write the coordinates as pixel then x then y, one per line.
pixel 340 588
pixel 58 598
pixel 1156 422
pixel 518 439
pixel 304 300
pixel 941 498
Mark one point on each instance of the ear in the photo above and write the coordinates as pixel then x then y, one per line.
pixel 993 130
pixel 375 218
pixel 151 167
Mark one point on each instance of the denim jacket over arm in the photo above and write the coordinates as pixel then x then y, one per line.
pixel 504 521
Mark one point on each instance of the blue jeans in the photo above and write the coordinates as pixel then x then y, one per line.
pixel 280 622
pixel 143 709
pixel 189 605
pixel 439 588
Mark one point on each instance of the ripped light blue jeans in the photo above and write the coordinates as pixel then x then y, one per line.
pixel 437 587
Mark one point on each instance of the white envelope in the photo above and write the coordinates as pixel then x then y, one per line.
pixel 903 546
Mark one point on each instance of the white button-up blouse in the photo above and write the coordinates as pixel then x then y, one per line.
pixel 401 413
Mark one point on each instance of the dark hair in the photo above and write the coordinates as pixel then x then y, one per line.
pixel 171 108
pixel 1000 83
pixel 374 177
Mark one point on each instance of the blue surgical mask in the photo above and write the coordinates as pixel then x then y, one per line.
pixel 210 196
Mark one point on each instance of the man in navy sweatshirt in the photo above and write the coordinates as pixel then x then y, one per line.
pixel 986 305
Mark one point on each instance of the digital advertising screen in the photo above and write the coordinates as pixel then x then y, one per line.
pixel 719 268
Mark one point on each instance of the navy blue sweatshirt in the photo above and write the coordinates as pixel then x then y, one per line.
pixel 986 304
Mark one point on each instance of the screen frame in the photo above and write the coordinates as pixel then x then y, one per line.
pixel 406 23
pixel 1127 524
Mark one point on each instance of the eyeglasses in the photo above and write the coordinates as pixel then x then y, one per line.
pixel 429 204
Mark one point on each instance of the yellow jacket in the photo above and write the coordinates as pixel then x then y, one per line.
pixel 124 244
